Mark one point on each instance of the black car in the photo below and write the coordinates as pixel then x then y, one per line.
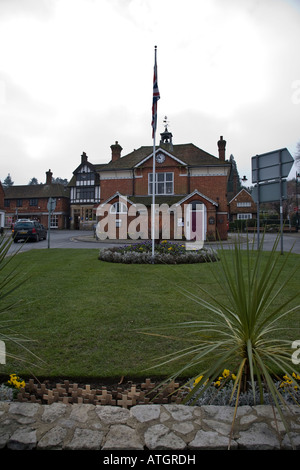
pixel 29 230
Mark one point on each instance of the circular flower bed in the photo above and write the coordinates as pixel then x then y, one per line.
pixel 165 253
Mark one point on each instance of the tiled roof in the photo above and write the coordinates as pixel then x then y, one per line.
pixel 36 191
pixel 189 154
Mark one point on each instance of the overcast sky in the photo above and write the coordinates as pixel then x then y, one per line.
pixel 76 75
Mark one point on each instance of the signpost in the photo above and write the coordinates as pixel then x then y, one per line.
pixel 51 205
pixel 270 191
pixel 272 165
pixel 268 172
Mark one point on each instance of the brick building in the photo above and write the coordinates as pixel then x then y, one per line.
pixel 30 202
pixel 242 206
pixel 186 177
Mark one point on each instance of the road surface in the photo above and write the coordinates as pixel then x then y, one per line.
pixel 84 239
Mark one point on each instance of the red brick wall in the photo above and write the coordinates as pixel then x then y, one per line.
pixel 213 187
pixel 141 184
pixel 243 196
pixel 110 187
pixel 112 230
pixel 36 212
pixel 1 197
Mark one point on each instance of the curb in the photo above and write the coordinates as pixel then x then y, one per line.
pixel 91 238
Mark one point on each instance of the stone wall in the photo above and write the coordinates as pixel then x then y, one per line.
pixel 174 427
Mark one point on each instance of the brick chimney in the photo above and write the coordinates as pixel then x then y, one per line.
pixel 116 150
pixel 49 177
pixel 221 147
pixel 84 157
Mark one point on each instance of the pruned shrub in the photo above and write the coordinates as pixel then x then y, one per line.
pixel 165 253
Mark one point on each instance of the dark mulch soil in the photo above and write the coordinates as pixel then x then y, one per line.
pixel 123 392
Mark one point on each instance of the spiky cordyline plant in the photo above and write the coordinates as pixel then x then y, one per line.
pixel 245 327
pixel 10 280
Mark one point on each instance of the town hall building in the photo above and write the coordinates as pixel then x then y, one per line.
pixel 186 177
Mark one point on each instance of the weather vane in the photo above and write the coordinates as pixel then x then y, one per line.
pixel 166 122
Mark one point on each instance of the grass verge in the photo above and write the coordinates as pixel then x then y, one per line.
pixel 84 315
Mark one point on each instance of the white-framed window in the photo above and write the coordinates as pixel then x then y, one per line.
pixel 85 193
pixel 89 214
pixel 244 204
pixel 118 208
pixel 54 221
pixel 164 183
pixel 244 216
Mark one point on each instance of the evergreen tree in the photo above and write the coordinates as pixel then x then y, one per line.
pixel 8 181
pixel 234 182
pixel 33 181
pixel 60 180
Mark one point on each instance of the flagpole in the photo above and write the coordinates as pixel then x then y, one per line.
pixel 156 97
pixel 153 200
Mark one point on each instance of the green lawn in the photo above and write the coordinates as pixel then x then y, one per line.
pixel 84 315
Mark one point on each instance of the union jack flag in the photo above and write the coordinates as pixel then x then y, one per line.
pixel 156 97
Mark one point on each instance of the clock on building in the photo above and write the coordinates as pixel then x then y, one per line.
pixel 160 158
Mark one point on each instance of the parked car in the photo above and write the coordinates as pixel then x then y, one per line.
pixel 29 230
